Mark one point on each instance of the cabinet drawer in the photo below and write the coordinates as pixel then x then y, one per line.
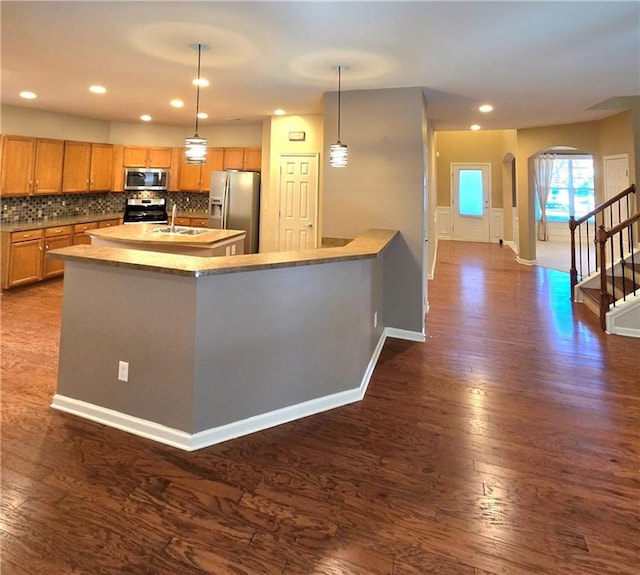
pixel 78 228
pixel 182 221
pixel 200 222
pixel 58 231
pixel 26 235
pixel 108 223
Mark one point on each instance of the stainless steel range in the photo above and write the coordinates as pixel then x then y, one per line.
pixel 146 211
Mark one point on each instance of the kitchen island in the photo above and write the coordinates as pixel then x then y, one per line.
pixel 185 240
pixel 191 351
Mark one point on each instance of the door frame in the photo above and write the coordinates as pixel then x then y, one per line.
pixel 487 198
pixel 311 155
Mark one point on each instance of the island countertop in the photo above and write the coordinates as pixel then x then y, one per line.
pixel 368 245
pixel 150 234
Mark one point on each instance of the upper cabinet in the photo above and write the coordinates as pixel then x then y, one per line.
pixel 31 166
pixel 141 157
pixel 242 159
pixel 87 167
pixel 195 177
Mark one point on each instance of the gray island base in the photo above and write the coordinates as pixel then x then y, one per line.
pixel 219 347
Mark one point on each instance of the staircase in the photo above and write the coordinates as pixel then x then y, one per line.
pixel 605 264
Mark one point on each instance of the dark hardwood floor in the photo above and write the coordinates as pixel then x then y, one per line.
pixel 508 444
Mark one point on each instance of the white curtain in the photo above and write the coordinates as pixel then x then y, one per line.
pixel 543 168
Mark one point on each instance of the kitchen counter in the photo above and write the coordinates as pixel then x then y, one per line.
pixel 219 347
pixel 54 222
pixel 367 245
pixel 200 242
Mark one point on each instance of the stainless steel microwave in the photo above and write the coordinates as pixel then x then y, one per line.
pixel 156 179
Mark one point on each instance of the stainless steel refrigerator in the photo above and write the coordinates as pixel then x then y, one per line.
pixel 234 204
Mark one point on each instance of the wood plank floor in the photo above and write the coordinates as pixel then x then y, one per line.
pixel 508 444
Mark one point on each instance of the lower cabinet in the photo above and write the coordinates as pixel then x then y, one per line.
pixel 24 253
pixel 24 258
pixel 55 238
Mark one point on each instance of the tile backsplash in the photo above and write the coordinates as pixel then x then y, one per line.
pixel 34 209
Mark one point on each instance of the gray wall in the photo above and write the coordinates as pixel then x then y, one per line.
pixel 217 349
pixel 382 187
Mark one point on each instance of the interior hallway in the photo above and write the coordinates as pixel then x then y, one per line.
pixel 507 444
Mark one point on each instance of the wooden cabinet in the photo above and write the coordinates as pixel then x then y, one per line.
pixel 242 159
pixel 79 235
pixel 195 177
pixel 142 157
pixel 109 223
pixel 55 238
pixel 87 167
pixel 253 159
pixel 22 256
pixel 31 166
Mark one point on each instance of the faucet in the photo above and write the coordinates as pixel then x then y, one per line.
pixel 172 229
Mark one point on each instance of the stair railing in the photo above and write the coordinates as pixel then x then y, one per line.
pixel 584 233
pixel 623 251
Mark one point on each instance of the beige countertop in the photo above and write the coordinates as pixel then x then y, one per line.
pixel 55 222
pixel 149 234
pixel 368 245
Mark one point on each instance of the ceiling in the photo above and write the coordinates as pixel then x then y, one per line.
pixel 538 63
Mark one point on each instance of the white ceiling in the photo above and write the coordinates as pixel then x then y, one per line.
pixel 539 63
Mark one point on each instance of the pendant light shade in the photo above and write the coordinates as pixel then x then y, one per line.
pixel 195 148
pixel 338 152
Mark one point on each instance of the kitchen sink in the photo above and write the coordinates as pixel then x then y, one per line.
pixel 180 231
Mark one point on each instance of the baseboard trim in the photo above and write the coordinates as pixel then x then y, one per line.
pixel 525 262
pixel 405 334
pixel 192 442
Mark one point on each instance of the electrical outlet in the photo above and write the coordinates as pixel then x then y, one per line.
pixel 123 371
pixel 375 319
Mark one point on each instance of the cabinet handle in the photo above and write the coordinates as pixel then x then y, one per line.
pixel 58 231
pixel 26 235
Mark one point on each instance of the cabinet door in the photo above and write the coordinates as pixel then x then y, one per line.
pixel 48 167
pixel 25 262
pixel 234 158
pixel 77 165
pixel 215 159
pixel 159 157
pixel 135 157
pixel 79 235
pixel 18 155
pixel 190 177
pixel 101 167
pixel 51 267
pixel 253 159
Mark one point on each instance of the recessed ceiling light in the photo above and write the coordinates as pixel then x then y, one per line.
pixel 145 118
pixel 475 127
pixel 97 89
pixel 279 112
pixel 203 115
pixel 28 95
pixel 202 82
pixel 177 103
pixel 486 108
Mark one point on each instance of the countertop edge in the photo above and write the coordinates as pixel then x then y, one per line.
pixel 368 245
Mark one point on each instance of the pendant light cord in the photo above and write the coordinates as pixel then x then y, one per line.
pixel 339 91
pixel 198 88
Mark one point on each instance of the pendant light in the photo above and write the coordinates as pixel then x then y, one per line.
pixel 195 148
pixel 338 152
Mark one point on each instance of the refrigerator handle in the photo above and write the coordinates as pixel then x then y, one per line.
pixel 225 204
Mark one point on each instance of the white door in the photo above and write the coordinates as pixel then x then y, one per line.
pixel 298 201
pixel 470 185
pixel 616 179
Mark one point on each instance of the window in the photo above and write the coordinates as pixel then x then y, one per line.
pixel 572 188
pixel 470 193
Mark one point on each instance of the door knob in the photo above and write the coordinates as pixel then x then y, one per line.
pixel 309 224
